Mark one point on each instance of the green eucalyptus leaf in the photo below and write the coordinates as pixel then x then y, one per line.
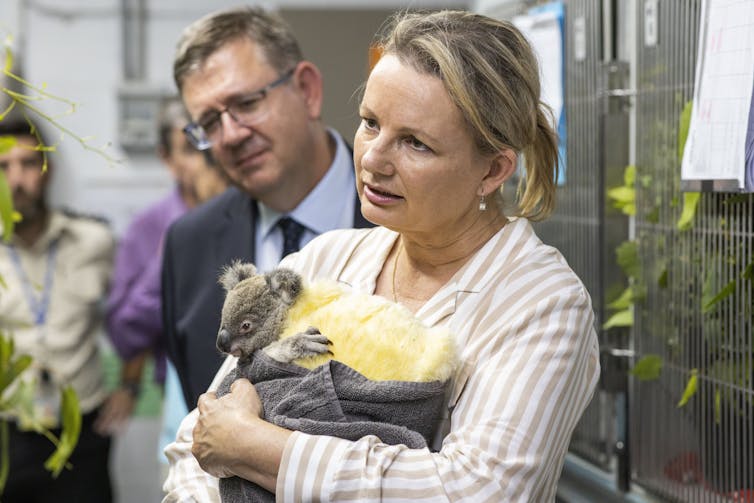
pixel 725 292
pixel 623 318
pixel 709 281
pixel 629 209
pixel 622 195
pixel 6 350
pixel 16 367
pixel 624 301
pixel 647 368
pixel 662 281
pixel 690 202
pixel 70 434
pixel 748 271
pixel 691 387
pixel 683 128
pixel 627 256
pixel 629 175
pixel 6 208
pixel 7 143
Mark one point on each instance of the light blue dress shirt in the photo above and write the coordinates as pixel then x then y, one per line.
pixel 329 206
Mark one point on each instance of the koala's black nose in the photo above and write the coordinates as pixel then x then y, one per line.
pixel 223 340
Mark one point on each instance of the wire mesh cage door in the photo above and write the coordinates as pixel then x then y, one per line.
pixel 697 315
pixel 581 225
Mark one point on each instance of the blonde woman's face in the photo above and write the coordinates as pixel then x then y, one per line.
pixel 417 168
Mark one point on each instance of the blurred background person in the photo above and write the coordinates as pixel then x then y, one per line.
pixel 134 314
pixel 57 267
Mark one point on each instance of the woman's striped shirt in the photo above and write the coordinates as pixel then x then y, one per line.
pixel 524 327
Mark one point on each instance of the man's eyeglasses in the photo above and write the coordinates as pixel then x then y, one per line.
pixel 248 110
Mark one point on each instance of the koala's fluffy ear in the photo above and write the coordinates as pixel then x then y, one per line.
pixel 285 283
pixel 236 272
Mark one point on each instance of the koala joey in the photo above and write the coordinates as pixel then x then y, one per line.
pixel 254 313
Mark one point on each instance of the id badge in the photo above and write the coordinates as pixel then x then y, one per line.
pixel 47 401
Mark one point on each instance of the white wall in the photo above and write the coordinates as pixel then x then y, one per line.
pixel 500 9
pixel 76 47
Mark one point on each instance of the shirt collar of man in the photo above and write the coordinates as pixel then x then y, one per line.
pixel 56 225
pixel 330 205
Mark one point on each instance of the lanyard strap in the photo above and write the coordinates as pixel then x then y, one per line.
pixel 38 306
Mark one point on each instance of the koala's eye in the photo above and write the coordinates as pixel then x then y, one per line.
pixel 246 326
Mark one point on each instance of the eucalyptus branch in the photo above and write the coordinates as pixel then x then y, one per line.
pixel 26 101
pixel 7 110
pixel 40 90
pixel 23 100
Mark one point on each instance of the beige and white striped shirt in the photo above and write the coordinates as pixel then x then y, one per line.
pixel 524 326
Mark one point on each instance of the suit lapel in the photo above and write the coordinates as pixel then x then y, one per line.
pixel 234 234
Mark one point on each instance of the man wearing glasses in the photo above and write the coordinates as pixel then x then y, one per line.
pixel 256 104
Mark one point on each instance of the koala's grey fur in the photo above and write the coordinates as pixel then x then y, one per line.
pixel 255 309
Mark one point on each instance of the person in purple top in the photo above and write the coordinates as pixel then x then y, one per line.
pixel 134 319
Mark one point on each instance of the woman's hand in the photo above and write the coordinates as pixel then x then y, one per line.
pixel 220 424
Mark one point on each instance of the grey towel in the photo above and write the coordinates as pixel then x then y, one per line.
pixel 333 399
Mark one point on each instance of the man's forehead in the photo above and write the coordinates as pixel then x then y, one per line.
pixel 236 68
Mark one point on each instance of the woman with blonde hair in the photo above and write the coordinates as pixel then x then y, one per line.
pixel 447 113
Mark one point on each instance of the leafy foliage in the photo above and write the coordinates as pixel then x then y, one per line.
pixel 627 255
pixel 17 395
pixel 690 202
pixel 647 368
pixel 684 124
pixel 19 405
pixel 691 387
pixel 624 196
pixel 7 216
pixel 623 318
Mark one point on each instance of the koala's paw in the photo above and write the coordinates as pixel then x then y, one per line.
pixel 308 343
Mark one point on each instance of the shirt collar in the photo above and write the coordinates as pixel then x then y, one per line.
pixel 56 226
pixel 325 207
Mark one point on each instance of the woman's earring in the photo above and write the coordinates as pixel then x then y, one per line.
pixel 482 203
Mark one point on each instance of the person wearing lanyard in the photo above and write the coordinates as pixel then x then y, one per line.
pixel 56 267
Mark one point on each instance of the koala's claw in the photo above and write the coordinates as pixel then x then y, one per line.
pixel 304 344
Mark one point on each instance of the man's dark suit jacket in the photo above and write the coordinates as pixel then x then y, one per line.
pixel 197 247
